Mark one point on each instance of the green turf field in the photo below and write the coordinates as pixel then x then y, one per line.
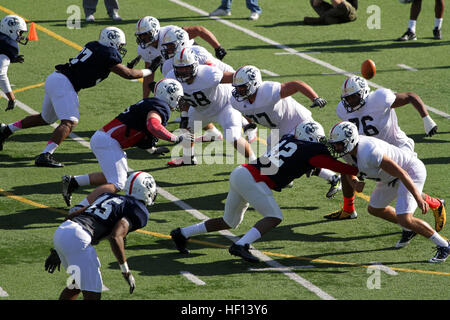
pixel 328 260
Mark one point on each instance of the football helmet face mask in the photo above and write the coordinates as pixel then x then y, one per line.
pixel 115 38
pixel 343 138
pixel 170 91
pixel 355 90
pixel 14 27
pixel 147 31
pixel 246 81
pixel 310 131
pixel 141 186
pixel 185 65
pixel 174 40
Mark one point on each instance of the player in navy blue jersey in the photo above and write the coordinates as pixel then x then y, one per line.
pixel 141 125
pixel 12 30
pixel 110 216
pixel 91 66
pixel 293 156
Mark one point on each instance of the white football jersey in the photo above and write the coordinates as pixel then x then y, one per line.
pixel 151 53
pixel 370 153
pixel 204 57
pixel 205 93
pixel 377 119
pixel 271 111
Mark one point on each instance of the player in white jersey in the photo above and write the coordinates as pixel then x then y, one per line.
pixel 374 115
pixel 149 35
pixel 209 99
pixel 399 174
pixel 270 104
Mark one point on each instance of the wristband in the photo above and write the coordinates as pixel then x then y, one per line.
pixel 428 123
pixel 124 267
pixel 146 72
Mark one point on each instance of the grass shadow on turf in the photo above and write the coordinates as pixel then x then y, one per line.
pixel 35 218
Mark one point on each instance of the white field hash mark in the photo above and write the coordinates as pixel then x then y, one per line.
pixel 3 293
pixel 192 278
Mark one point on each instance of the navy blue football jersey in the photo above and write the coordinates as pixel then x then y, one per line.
pixel 108 209
pixel 91 66
pixel 8 47
pixel 289 160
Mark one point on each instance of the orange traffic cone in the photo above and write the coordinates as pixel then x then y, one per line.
pixel 32 35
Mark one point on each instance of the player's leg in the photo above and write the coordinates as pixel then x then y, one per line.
pixel 439 18
pixel 348 210
pixel 195 124
pixel 211 134
pixel 410 33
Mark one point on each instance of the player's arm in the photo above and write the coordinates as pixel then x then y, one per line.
pixel 392 168
pixel 404 98
pixel 291 87
pixel 155 127
pixel 146 81
pixel 227 77
pixel 4 82
pixel 116 241
pixel 128 73
pixel 208 36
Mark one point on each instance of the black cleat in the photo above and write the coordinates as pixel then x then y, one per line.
pixel 69 185
pixel 5 132
pixel 406 239
pixel 47 160
pixel 407 36
pixel 180 240
pixel 243 252
pixel 437 34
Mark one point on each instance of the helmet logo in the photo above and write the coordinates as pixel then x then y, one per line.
pixel 13 22
pixel 310 128
pixel 113 35
pixel 348 130
pixel 251 73
pixel 171 88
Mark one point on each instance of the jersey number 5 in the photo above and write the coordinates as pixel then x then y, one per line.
pixel 102 208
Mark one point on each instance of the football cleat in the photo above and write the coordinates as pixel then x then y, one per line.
pixel 69 185
pixel 209 137
pixel 441 254
pixel 180 240
pixel 341 215
pixel 243 252
pixel 158 150
pixel 406 238
pixel 5 132
pixel 183 161
pixel 439 216
pixel 47 160
pixel 335 186
pixel 407 36
pixel 437 34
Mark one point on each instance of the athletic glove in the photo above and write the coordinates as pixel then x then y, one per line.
pixel 130 280
pixel 52 261
pixel 11 105
pixel 18 59
pixel 185 138
pixel 220 52
pixel 318 102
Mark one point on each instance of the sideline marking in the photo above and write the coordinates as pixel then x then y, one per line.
pixel 192 278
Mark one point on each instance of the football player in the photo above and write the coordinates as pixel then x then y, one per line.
pixel 400 176
pixel 292 157
pixel 140 125
pixel 149 36
pixel 270 104
pixel 205 90
pixel 91 66
pixel 176 39
pixel 12 31
pixel 111 217
pixel 374 115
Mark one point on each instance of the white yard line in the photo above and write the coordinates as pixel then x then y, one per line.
pixel 3 293
pixel 404 66
pixel 192 278
pixel 282 269
pixel 270 73
pixel 288 49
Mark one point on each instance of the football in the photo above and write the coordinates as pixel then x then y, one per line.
pixel 368 69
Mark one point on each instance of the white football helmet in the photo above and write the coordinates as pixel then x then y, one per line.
pixel 310 131
pixel 113 37
pixel 355 85
pixel 148 26
pixel 346 134
pixel 246 80
pixel 14 27
pixel 170 91
pixel 185 64
pixel 174 40
pixel 141 186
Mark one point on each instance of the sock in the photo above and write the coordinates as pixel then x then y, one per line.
pixel 326 174
pixel 412 25
pixel 438 240
pixel 83 180
pixel 51 147
pixel 193 229
pixel 215 132
pixel 251 236
pixel 15 126
pixel 438 23
pixel 349 204
pixel 432 202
